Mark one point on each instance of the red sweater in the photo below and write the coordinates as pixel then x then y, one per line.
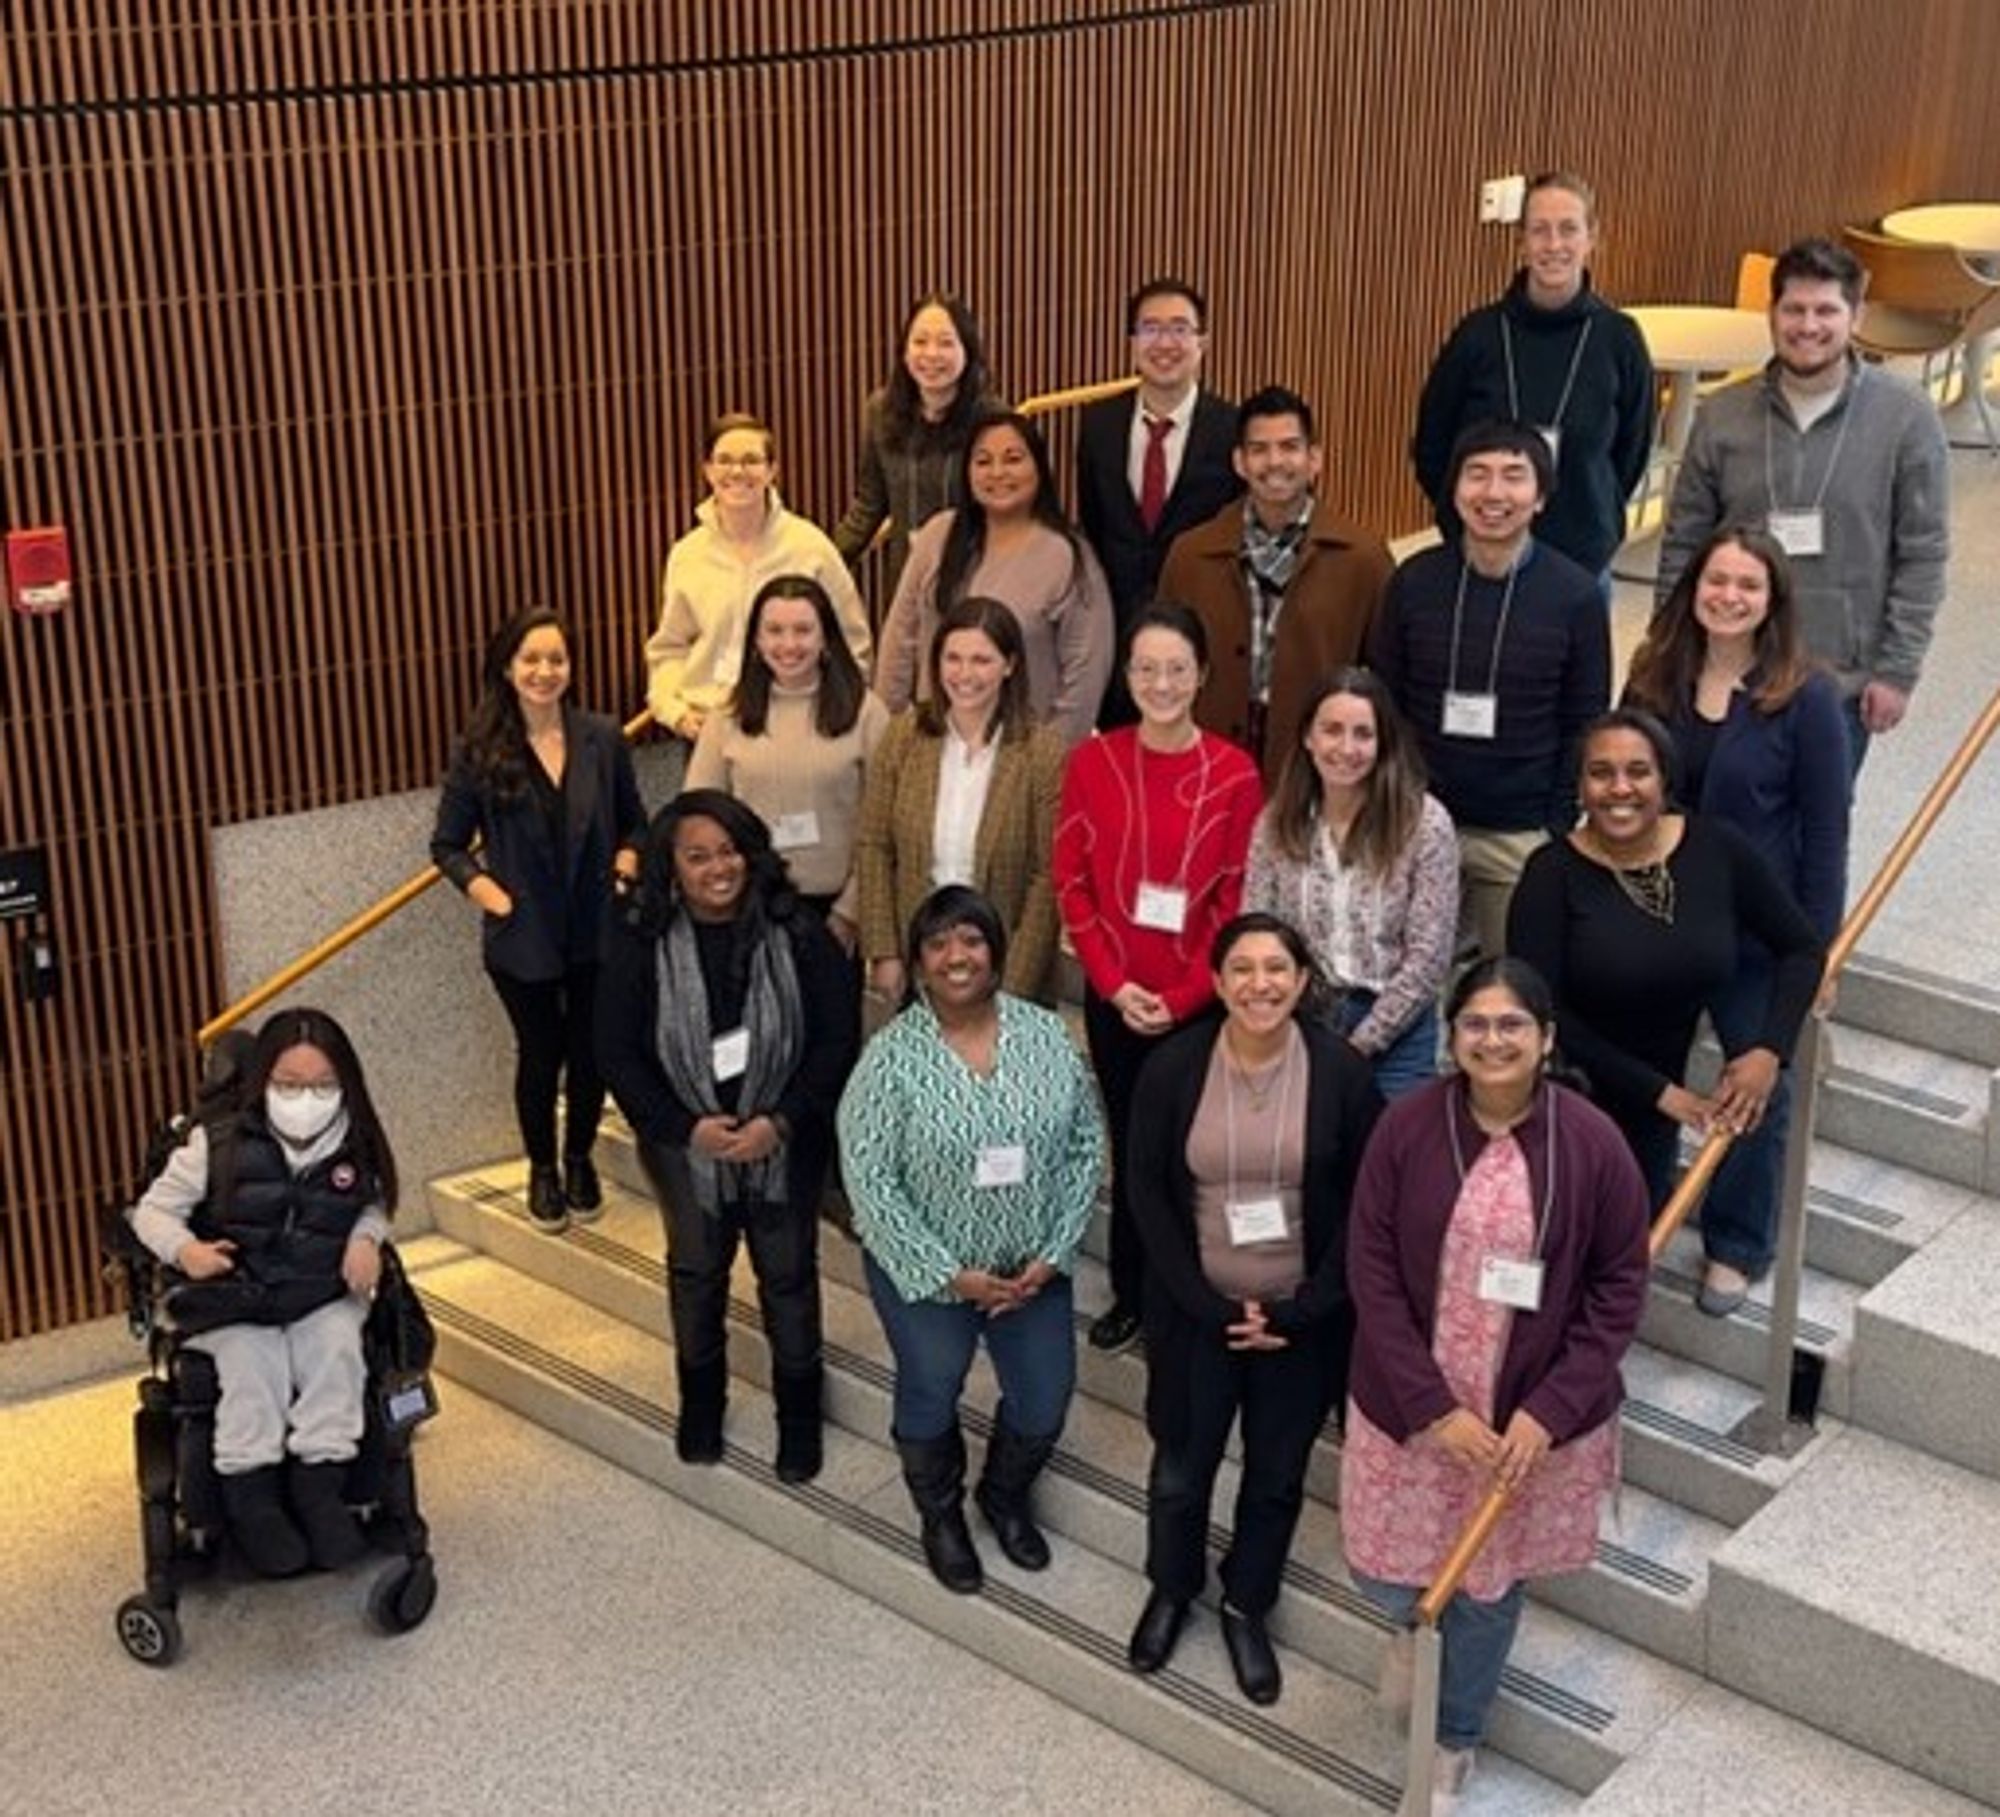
pixel 1179 819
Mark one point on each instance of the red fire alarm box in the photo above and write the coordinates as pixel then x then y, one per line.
pixel 38 569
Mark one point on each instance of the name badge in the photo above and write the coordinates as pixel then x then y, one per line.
pixel 790 831
pixel 1800 532
pixel 1001 1164
pixel 1471 715
pixel 1509 1283
pixel 1256 1220
pixel 729 1054
pixel 1162 906
pixel 1553 435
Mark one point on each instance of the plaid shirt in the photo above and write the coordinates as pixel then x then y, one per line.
pixel 1269 556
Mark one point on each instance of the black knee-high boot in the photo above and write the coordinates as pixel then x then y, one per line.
pixel 1012 1464
pixel 934 1468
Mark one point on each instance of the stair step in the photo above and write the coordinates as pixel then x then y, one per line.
pixel 1921 1109
pixel 1868 1216
pixel 1739 1345
pixel 608 1386
pixel 1647 1589
pixel 1907 1003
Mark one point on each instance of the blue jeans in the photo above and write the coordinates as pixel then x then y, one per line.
pixel 1033 1352
pixel 1477 1639
pixel 1739 1218
pixel 1408 1061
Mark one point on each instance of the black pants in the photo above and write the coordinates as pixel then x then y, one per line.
pixel 554 1033
pixel 701 1249
pixel 1116 1054
pixel 1282 1397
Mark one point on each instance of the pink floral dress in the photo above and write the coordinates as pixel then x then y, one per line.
pixel 1403 1506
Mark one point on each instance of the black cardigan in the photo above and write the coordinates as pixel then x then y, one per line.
pixel 1183 1313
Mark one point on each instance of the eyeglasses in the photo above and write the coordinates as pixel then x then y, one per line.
pixel 1166 331
pixel 296 1091
pixel 1147 672
pixel 1509 1027
pixel 739 463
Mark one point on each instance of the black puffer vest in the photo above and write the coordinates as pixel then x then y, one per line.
pixel 290 1230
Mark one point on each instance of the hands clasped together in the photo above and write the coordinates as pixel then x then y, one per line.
pixel 1509 1457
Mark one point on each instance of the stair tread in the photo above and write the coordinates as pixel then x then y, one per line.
pixel 1919 1078
pixel 1655 1551
pixel 1084 1602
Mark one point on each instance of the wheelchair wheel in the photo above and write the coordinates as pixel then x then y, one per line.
pixel 402 1596
pixel 148 1631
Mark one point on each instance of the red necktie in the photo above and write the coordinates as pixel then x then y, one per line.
pixel 1153 475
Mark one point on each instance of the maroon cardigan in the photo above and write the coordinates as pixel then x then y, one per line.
pixel 1561 1362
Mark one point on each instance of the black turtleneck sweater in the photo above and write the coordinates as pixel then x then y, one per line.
pixel 1606 424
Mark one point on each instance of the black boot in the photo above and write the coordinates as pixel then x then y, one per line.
pixel 258 1523
pixel 934 1468
pixel 582 1190
pixel 547 1208
pixel 332 1533
pixel 704 1394
pixel 1012 1464
pixel 801 1450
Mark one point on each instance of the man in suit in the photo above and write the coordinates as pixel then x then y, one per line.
pixel 1154 462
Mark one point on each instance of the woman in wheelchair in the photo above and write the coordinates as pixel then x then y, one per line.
pixel 276 1216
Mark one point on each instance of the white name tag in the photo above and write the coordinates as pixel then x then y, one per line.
pixel 1256 1220
pixel 1509 1283
pixel 1553 435
pixel 1003 1164
pixel 1471 715
pixel 729 1053
pixel 790 831
pixel 1161 906
pixel 1800 532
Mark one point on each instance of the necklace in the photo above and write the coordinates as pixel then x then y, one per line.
pixel 1260 1083
pixel 1649 888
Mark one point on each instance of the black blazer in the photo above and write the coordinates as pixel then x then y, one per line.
pixel 562 900
pixel 1185 1317
pixel 1108 510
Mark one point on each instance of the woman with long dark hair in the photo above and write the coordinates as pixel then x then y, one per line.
pixel 1496 1258
pixel 1008 540
pixel 547 794
pixel 284 1207
pixel 1762 743
pixel 914 430
pixel 794 743
pixel 726 1032
pixel 1242 1159
pixel 1361 860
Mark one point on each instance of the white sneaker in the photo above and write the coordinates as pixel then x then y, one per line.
pixel 1450 1775
pixel 1396 1682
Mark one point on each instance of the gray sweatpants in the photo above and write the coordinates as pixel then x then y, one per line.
pixel 296 1387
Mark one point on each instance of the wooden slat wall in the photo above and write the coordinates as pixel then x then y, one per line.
pixel 335 338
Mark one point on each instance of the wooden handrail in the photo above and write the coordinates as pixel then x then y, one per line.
pixel 1687 1194
pixel 1076 396
pixel 344 936
pixel 1458 1561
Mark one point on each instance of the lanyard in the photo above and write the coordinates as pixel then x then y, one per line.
pixel 1548 1171
pixel 1569 378
pixel 1194 809
pixel 1499 629
pixel 1278 1127
pixel 1833 460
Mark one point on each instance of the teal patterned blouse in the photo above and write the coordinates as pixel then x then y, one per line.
pixel 914 1122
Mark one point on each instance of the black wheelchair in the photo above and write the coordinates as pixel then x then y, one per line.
pixel 182 1529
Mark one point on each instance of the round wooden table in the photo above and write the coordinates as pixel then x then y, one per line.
pixel 1688 341
pixel 1974 229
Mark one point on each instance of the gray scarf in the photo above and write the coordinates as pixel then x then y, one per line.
pixel 772 1014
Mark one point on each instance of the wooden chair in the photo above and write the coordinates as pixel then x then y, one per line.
pixel 1924 301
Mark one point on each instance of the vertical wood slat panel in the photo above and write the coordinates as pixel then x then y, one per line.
pixel 338 337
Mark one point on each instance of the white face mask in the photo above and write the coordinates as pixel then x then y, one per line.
pixel 301 1120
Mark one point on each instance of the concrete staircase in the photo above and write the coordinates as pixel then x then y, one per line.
pixel 1774 1578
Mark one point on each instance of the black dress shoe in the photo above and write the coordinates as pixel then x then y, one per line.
pixel 581 1190
pixel 546 1208
pixel 1114 1331
pixel 1153 1640
pixel 1250 1656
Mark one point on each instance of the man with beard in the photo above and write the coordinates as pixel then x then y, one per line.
pixel 1284 585
pixel 1847 466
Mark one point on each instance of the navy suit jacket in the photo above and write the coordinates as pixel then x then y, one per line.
pixel 562 899
pixel 1108 511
